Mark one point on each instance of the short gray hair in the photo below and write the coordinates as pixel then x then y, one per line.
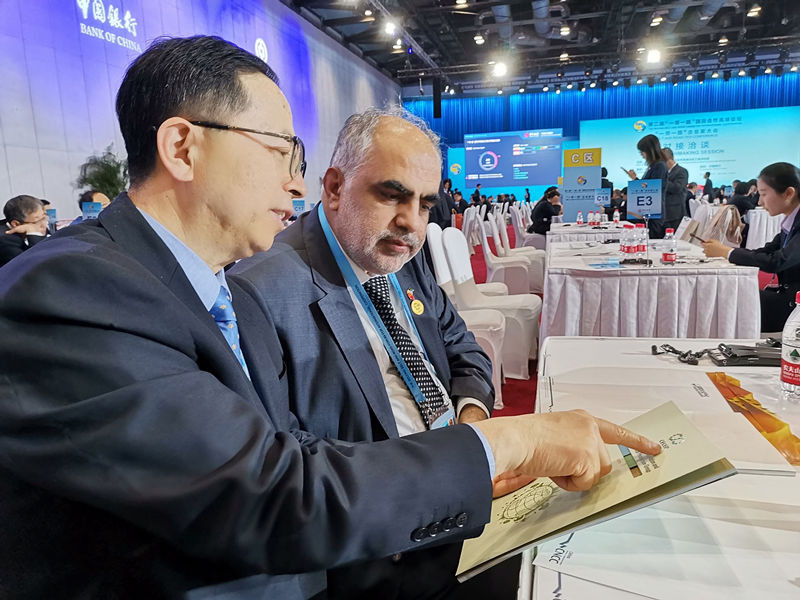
pixel 355 138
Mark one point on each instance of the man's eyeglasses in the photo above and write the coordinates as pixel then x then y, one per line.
pixel 297 162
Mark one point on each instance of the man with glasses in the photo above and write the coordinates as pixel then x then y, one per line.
pixel 25 225
pixel 158 457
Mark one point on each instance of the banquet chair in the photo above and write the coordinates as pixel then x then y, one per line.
pixel 694 204
pixel 489 328
pixel 523 239
pixel 522 311
pixel 442 270
pixel 534 256
pixel 514 272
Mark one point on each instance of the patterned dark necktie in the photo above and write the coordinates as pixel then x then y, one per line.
pixel 434 404
pixel 223 314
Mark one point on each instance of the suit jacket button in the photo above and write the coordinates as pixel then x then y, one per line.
pixel 461 519
pixel 448 523
pixel 397 557
pixel 419 534
pixel 434 528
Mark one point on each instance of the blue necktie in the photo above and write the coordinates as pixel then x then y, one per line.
pixel 223 314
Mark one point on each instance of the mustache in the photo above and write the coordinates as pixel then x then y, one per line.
pixel 410 239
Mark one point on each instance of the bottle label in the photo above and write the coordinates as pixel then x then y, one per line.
pixel 641 248
pixel 790 365
pixel 668 257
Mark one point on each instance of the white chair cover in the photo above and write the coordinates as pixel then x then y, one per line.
pixel 489 328
pixel 521 311
pixel 442 269
pixel 513 272
pixel 523 238
pixel 534 256
pixel 694 204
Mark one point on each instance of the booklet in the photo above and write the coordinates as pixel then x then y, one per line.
pixel 541 510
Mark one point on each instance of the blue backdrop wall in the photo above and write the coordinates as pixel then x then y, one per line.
pixel 538 110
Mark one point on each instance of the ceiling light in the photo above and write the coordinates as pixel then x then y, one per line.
pixel 564 56
pixel 500 69
pixel 723 41
pixel 499 90
pixel 656 21
pixel 583 87
pixel 558 90
pixel 793 68
pixel 587 71
pixel 701 77
pixel 663 78
pixel 593 84
pixel 768 70
pixel 674 80
pixel 569 86
pixel 654 56
pixel 755 11
pixel 398 44
pixel 565 30
pixel 641 49
pixel 560 74
pixel 461 2
pixel 478 39
pixel 546 88
pixel 615 82
pixel 639 80
pixel 715 75
pixel 390 28
pixel 522 90
pixel 368 13
pixel 452 91
pixel 742 72
pixel 689 77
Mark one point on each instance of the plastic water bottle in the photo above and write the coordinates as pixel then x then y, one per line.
pixel 641 241
pixel 616 216
pixel 579 219
pixel 626 242
pixel 670 249
pixel 790 357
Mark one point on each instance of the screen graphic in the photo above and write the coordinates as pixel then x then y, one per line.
pixel 513 158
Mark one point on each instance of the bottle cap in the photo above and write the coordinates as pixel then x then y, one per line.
pixel 670 230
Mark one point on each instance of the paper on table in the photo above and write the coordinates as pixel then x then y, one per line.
pixel 541 510
pixel 552 585
pixel 709 544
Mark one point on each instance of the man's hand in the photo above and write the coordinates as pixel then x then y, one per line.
pixel 568 447
pixel 508 482
pixel 26 228
pixel 714 248
pixel 471 414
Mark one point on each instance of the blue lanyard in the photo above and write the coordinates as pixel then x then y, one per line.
pixel 369 308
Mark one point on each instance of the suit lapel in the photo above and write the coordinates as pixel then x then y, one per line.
pixel 337 307
pixel 129 230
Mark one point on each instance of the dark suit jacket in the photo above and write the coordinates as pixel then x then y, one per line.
pixel 335 384
pixel 774 257
pixel 14 244
pixel 138 461
pixel 675 197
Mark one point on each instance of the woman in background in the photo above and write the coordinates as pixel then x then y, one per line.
pixel 779 189
pixel 544 210
pixel 650 149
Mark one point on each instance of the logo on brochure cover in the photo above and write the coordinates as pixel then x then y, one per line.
pixel 677 439
pixel 640 126
pixel 529 500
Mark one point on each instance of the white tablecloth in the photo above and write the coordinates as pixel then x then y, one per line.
pixel 714 299
pixel 572 232
pixel 763 228
pixel 622 361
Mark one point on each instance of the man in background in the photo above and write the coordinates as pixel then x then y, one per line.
pixel 675 197
pixel 24 226
pixel 708 187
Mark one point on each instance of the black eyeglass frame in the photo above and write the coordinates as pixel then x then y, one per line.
pixel 297 143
